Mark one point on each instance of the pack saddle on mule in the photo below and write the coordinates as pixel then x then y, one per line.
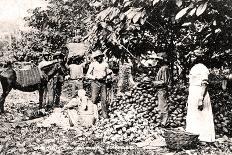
pixel 28 79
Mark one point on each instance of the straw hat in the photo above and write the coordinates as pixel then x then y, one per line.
pixel 160 56
pixel 97 54
pixel 45 53
pixel 58 54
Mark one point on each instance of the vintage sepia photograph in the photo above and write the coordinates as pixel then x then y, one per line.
pixel 116 77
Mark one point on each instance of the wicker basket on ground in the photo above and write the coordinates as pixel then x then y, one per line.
pixel 180 140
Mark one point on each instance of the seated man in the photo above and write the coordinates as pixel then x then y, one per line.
pixel 81 110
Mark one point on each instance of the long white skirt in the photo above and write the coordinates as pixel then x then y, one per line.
pixel 200 122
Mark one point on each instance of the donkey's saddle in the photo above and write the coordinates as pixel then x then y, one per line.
pixel 28 77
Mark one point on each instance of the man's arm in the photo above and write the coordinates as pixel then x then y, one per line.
pixel 164 80
pixel 204 90
pixel 90 72
pixel 67 77
pixel 158 83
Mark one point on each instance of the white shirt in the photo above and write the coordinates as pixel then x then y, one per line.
pixel 97 70
pixel 76 71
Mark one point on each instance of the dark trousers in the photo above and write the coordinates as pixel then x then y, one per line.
pixel 57 88
pixel 99 88
pixel 50 94
pixel 162 105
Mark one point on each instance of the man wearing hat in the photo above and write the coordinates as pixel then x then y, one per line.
pixel 58 79
pixel 98 72
pixel 59 56
pixel 161 82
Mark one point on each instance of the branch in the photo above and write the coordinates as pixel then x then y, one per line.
pixel 155 27
pixel 127 50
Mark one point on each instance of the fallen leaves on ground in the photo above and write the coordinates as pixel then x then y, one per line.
pixel 20 135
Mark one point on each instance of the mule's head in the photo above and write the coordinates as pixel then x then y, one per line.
pixel 55 68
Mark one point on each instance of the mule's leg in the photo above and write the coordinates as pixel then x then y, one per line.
pixel 45 96
pixel 6 88
pixel 41 93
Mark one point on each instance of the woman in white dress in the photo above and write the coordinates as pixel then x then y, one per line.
pixel 199 118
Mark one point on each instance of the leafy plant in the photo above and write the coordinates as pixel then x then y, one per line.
pixel 128 29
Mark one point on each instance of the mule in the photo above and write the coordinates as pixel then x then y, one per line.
pixel 9 81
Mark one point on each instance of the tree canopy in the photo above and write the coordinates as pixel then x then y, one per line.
pixel 54 27
pixel 124 28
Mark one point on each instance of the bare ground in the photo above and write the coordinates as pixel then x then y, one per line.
pixel 21 135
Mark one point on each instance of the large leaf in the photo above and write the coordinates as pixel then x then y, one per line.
pixel 113 38
pixel 110 28
pixel 143 13
pixel 201 9
pixel 106 14
pixel 192 11
pixel 179 3
pixel 214 23
pixel 115 11
pixel 131 14
pixel 128 11
pixel 103 24
pixel 122 16
pixel 126 4
pixel 186 24
pixel 155 2
pixel 142 20
pixel 218 30
pixel 131 28
pixel 137 17
pixel 181 13
pixel 103 14
pixel 97 4
pixel 98 16
pixel 114 1
pixel 87 20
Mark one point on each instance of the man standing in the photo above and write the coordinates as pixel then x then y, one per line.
pixel 125 81
pixel 58 80
pixel 161 83
pixel 76 70
pixel 98 72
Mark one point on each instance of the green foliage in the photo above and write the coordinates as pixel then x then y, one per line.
pixel 29 46
pixel 124 28
pixel 3 45
pixel 61 22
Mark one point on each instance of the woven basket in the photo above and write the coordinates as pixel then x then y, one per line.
pixel 180 140
pixel 28 77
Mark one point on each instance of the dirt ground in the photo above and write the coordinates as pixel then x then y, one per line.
pixel 20 134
